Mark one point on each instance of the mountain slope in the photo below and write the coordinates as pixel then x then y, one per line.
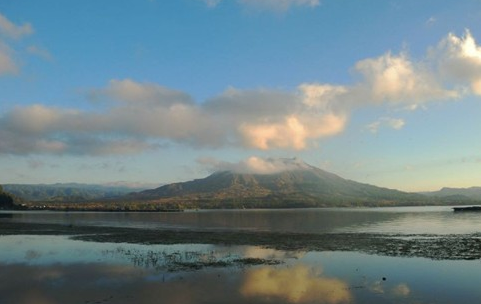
pixel 301 186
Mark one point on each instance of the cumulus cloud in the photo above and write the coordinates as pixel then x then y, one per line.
pixel 254 165
pixel 135 116
pixel 396 79
pixel 459 59
pixel 268 119
pixel 321 96
pixel 292 132
pixel 297 284
pixel 124 129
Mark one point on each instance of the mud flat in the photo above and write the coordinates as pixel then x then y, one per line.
pixel 437 247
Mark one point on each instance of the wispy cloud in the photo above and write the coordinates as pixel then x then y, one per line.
pixel 40 52
pixel 7 62
pixel 254 165
pixel 393 123
pixel 278 5
pixel 35 164
pixel 211 3
pixel 9 51
pixel 432 20
pixel 135 117
pixel 270 5
pixel 11 30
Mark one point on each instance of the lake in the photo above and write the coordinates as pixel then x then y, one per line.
pixel 58 269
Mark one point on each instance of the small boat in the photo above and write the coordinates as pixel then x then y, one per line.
pixel 467 209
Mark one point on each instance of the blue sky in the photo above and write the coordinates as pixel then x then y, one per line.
pixel 149 91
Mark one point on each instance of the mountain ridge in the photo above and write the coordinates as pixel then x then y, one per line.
pixel 74 192
pixel 275 183
pixel 471 193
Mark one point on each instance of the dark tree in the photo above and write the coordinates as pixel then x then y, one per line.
pixel 6 200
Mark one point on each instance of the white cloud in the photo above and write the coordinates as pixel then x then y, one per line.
pixel 293 132
pixel 321 96
pixel 11 30
pixel 459 60
pixel 396 79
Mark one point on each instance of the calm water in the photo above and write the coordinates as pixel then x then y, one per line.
pixel 56 269
pixel 403 220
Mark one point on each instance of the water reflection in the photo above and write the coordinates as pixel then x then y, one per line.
pixel 298 284
pixel 98 283
pixel 57 270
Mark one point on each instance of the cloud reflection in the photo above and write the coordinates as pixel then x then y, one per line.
pixel 401 290
pixel 296 285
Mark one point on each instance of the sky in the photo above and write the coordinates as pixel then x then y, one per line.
pixel 149 92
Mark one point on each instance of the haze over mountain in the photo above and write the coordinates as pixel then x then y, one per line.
pixel 276 182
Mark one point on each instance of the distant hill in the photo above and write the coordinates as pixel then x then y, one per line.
pixel 71 192
pixel 300 186
pixel 473 193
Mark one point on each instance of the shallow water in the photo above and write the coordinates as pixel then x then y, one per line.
pixel 55 269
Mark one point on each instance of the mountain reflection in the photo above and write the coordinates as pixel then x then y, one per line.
pixel 295 285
